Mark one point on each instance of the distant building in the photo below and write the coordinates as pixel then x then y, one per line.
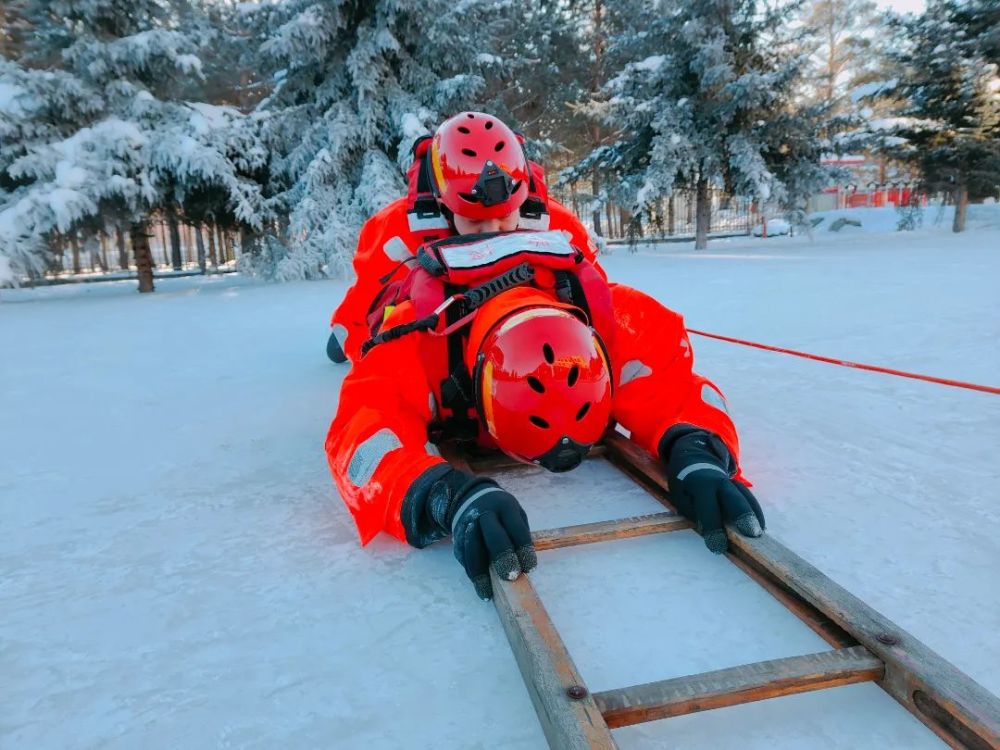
pixel 872 182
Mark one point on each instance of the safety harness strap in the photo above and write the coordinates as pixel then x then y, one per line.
pixel 424 324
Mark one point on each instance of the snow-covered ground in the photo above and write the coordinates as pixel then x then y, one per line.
pixel 177 571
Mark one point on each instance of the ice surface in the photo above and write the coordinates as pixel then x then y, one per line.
pixel 177 571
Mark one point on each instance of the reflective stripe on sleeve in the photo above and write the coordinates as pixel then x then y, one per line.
pixel 369 454
pixel 396 249
pixel 713 398
pixel 633 370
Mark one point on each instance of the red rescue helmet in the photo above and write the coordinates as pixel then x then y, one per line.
pixel 543 386
pixel 478 167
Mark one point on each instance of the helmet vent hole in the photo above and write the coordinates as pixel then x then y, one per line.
pixel 499 146
pixel 583 411
pixel 470 116
pixel 538 422
pixel 536 384
pixel 489 124
pixel 574 375
pixel 550 356
pixel 468 152
pixel 463 129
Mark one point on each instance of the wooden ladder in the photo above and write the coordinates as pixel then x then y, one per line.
pixel 866 645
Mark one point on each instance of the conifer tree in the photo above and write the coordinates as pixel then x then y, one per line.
pixel 354 86
pixel 93 126
pixel 948 100
pixel 706 98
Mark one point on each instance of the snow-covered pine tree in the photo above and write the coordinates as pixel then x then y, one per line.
pixel 94 130
pixel 354 85
pixel 706 98
pixel 948 96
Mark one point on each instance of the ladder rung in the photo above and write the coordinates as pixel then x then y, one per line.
pixel 601 531
pixel 743 684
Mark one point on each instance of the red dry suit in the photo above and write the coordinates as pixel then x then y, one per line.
pixel 380 439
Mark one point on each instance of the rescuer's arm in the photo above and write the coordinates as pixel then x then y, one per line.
pixel 679 416
pixel 391 481
pixel 380 250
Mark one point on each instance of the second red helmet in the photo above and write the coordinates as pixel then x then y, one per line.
pixel 544 387
pixel 478 167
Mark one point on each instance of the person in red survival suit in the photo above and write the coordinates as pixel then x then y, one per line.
pixel 539 364
pixel 444 168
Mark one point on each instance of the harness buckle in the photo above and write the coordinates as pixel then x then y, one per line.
pixel 448 303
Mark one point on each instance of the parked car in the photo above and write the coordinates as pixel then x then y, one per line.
pixel 774 228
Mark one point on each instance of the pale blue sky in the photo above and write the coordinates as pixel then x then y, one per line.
pixel 902 6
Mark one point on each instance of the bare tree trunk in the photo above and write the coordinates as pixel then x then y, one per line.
pixel 175 239
pixel 227 242
pixel 122 255
pixel 671 215
pixel 75 244
pixel 57 249
pixel 143 256
pixel 212 256
pixel 831 64
pixel 609 217
pixel 199 240
pixel 961 203
pixel 248 241
pixel 163 243
pixel 689 209
pixel 702 211
pixel 596 83
pixel 595 182
pixel 104 252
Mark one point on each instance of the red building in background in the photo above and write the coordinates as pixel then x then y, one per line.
pixel 873 183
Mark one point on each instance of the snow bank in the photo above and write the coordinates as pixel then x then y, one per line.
pixel 775 227
pixel 886 219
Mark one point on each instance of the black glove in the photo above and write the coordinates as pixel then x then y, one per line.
pixel 487 523
pixel 699 467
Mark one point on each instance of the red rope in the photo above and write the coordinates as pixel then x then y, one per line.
pixel 856 365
